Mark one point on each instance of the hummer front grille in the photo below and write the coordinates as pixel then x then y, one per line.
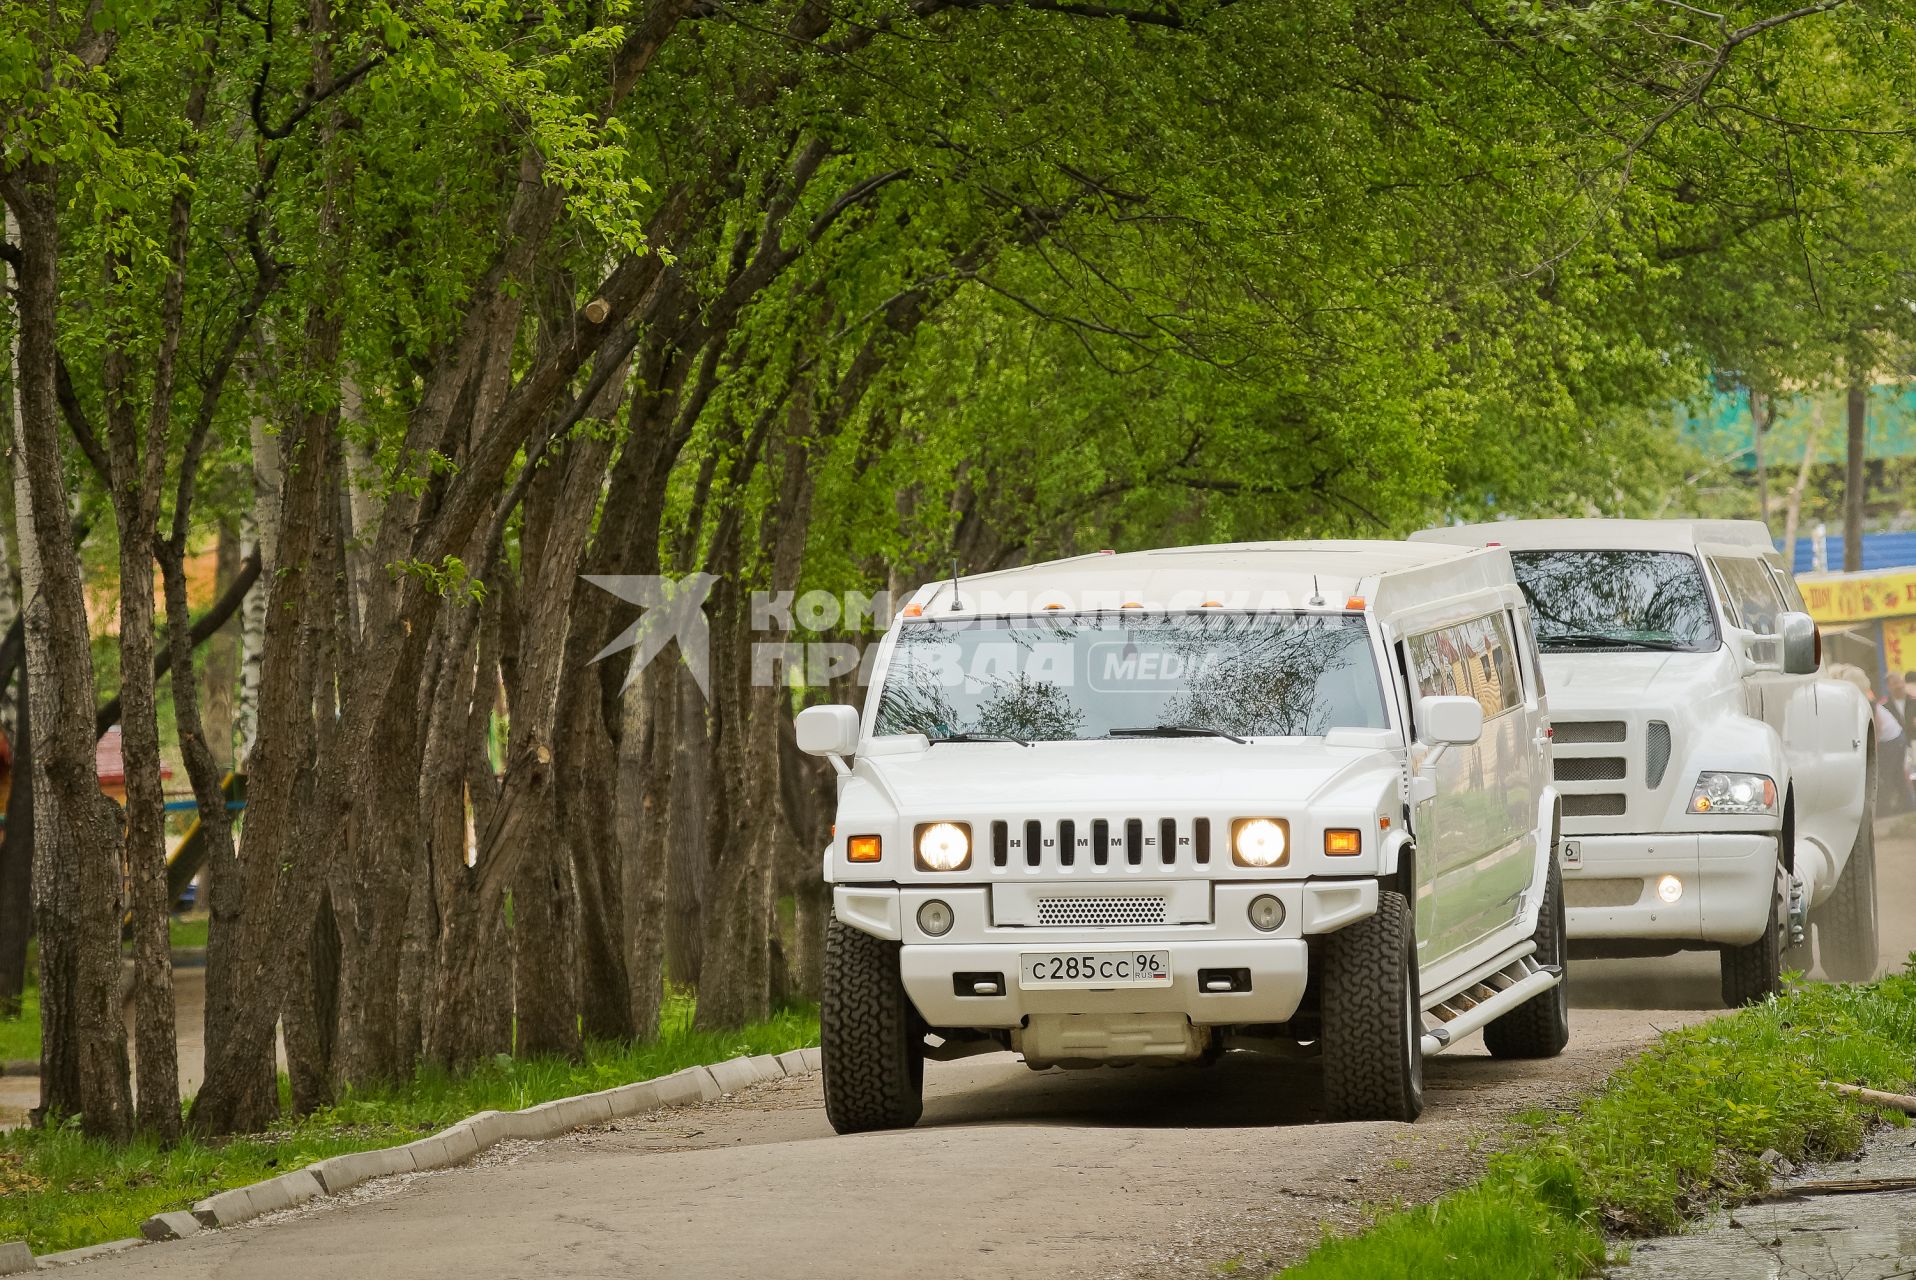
pixel 1101 844
pixel 1092 912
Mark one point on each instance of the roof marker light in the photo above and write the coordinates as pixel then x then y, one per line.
pixel 1131 604
pixel 1212 604
pixel 914 610
pixel 1355 602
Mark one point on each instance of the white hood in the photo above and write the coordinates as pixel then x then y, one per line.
pixel 1113 776
pixel 1592 682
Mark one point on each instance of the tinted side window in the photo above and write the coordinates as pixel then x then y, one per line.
pixel 1792 598
pixel 1503 656
pixel 1471 660
pixel 1434 663
pixel 1751 592
pixel 1493 676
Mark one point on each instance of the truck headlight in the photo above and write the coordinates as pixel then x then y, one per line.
pixel 1260 842
pixel 944 846
pixel 1733 793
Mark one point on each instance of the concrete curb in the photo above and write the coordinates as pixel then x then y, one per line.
pixel 449 1147
pixel 68 1257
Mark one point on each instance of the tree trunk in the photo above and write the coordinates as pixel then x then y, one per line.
pixel 77 904
pixel 294 817
pixel 586 788
pixel 684 761
pixel 735 973
pixel 1793 502
pixel 16 864
pixel 311 1015
pixel 222 655
pixel 1854 496
pixel 468 1016
pixel 156 1048
pixel 259 532
pixel 644 793
pixel 1762 410
pixel 198 750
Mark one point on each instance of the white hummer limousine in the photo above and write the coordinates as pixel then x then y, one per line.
pixel 1150 807
pixel 1717 784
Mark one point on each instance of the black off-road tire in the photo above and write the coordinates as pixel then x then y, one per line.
pixel 1373 1026
pixel 1846 938
pixel 1754 971
pixel 1540 1026
pixel 870 1038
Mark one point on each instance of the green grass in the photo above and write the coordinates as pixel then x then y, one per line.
pixel 1674 1132
pixel 187 931
pixel 20 1037
pixel 59 1190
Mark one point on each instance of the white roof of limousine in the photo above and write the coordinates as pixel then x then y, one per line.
pixel 1605 535
pixel 1238 574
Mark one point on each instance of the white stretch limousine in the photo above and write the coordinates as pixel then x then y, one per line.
pixel 1717 783
pixel 1150 807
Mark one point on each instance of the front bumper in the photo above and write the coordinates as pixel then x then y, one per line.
pixel 1278 968
pixel 1729 885
pixel 1278 962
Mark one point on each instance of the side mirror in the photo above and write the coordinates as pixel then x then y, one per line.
pixel 1802 644
pixel 830 730
pixel 1457 721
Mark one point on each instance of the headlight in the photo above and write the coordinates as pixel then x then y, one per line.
pixel 944 846
pixel 1260 842
pixel 1733 793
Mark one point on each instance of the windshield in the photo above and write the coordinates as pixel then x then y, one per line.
pixel 1581 600
pixel 1105 675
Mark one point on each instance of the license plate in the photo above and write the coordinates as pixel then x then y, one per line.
pixel 1038 970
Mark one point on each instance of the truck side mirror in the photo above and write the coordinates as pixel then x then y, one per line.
pixel 1453 720
pixel 1802 645
pixel 830 730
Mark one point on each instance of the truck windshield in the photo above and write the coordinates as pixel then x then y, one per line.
pixel 1085 676
pixel 1595 600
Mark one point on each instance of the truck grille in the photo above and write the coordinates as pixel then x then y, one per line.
pixel 1588 768
pixel 1656 753
pixel 1572 731
pixel 1606 805
pixel 1101 843
pixel 1082 912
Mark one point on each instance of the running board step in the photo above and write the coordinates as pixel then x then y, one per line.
pixel 1486 1000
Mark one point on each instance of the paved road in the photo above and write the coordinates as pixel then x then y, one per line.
pixel 1165 1172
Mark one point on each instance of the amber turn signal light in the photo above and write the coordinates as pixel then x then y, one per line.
pixel 862 849
pixel 1342 842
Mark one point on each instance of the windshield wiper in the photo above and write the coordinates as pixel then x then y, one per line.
pixel 1175 731
pixel 978 737
pixel 1593 639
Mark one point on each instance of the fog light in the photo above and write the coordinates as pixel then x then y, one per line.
pixel 1669 888
pixel 935 918
pixel 1267 913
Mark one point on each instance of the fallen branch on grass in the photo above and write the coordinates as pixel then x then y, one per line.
pixel 1836 1187
pixel 1901 1101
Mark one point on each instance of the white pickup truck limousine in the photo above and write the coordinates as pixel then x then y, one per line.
pixel 1150 807
pixel 1718 785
